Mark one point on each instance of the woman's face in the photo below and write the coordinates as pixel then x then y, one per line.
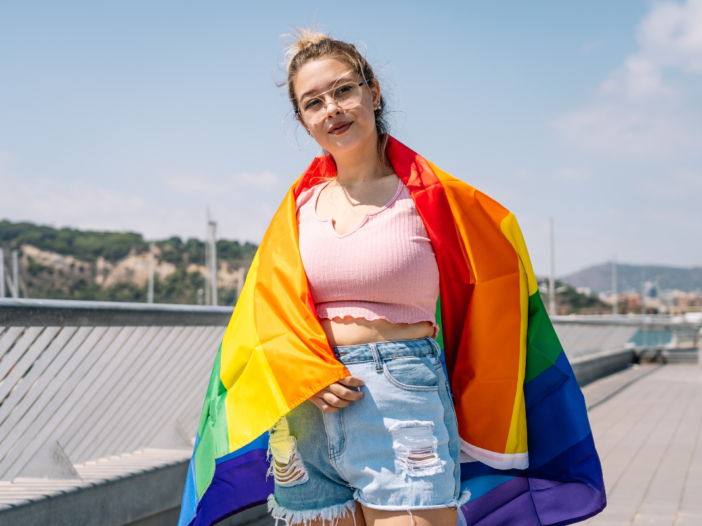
pixel 340 131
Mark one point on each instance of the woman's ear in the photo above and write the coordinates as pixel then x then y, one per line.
pixel 375 92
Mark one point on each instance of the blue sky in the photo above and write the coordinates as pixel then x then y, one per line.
pixel 135 115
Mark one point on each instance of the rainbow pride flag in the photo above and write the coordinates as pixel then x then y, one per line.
pixel 529 456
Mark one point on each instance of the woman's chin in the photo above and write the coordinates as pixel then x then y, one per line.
pixel 344 143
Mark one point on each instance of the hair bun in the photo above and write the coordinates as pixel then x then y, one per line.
pixel 302 39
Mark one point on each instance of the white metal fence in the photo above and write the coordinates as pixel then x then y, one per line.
pixel 582 336
pixel 106 380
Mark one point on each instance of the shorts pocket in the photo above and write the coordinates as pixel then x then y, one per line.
pixel 411 373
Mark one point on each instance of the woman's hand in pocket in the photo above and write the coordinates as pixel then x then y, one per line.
pixel 339 394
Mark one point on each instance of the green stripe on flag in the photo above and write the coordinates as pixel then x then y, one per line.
pixel 543 347
pixel 213 430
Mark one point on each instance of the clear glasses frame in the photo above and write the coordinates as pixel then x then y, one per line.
pixel 319 115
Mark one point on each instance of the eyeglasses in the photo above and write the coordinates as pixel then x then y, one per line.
pixel 346 97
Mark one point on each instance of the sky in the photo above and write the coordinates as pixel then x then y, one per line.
pixel 138 115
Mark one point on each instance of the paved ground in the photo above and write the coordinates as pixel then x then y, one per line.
pixel 647 425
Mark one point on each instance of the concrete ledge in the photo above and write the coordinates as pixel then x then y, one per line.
pixel 589 368
pixel 70 313
pixel 139 499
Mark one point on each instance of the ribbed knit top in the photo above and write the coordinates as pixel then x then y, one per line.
pixel 384 268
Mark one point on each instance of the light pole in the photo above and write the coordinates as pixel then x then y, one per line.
pixel 210 262
pixel 615 302
pixel 552 275
pixel 150 292
pixel 15 273
pixel 2 273
pixel 213 260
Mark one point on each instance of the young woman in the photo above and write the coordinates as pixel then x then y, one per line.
pixel 385 437
pixel 379 277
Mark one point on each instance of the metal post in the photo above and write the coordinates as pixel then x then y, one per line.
pixel 552 275
pixel 615 296
pixel 213 261
pixel 208 265
pixel 2 273
pixel 15 273
pixel 643 310
pixel 150 293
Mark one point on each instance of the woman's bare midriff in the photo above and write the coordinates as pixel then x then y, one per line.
pixel 358 331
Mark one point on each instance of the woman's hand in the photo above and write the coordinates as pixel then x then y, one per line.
pixel 338 394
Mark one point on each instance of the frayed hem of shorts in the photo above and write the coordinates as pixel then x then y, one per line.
pixel 462 499
pixel 330 513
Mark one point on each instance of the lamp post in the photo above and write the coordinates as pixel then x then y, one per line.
pixel 615 302
pixel 150 292
pixel 552 275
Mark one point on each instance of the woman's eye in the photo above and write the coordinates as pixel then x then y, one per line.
pixel 311 104
pixel 345 89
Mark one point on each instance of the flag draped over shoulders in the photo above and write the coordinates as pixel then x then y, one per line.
pixel 528 453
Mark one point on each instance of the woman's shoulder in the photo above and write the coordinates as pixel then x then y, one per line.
pixel 309 193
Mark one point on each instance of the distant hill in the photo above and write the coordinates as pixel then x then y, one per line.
pixel 599 277
pixel 69 263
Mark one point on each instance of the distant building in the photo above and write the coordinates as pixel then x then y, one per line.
pixel 676 302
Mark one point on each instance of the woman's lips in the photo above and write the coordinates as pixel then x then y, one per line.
pixel 340 128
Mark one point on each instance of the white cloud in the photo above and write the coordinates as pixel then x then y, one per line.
pixel 651 104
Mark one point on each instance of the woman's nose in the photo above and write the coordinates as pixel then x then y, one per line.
pixel 332 108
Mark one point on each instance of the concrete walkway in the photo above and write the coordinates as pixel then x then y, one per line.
pixel 648 432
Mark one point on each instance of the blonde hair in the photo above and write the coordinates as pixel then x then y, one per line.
pixel 309 44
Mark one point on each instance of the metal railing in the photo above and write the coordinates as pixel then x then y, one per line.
pixel 586 335
pixel 81 381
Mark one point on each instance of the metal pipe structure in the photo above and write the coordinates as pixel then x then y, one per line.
pixel 15 273
pixel 615 296
pixel 208 266
pixel 212 226
pixel 2 273
pixel 552 275
pixel 150 292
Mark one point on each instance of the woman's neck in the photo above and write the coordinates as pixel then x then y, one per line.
pixel 360 166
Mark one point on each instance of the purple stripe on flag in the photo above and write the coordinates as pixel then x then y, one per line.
pixel 565 502
pixel 238 484
pixel 509 503
pixel 566 490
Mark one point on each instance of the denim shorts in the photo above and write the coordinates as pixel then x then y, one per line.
pixel 395 449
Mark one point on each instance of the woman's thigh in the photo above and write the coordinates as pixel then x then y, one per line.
pixel 436 517
pixel 357 519
pixel 370 517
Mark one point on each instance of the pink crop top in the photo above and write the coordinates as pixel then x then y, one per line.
pixel 384 268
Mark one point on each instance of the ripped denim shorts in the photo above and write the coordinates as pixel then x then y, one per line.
pixel 395 449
